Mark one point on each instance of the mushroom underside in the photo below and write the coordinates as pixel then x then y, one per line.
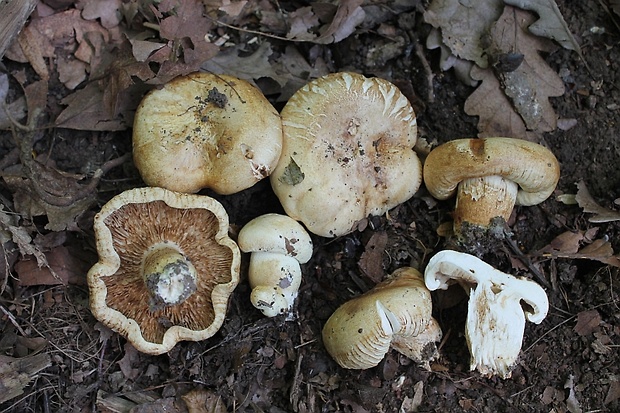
pixel 126 289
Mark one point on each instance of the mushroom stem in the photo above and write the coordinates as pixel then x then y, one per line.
pixel 481 199
pixel 169 276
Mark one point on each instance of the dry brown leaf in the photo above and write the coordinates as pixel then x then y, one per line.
pixel 302 21
pixel 550 24
pixel 589 205
pixel 587 322
pixel 107 11
pixel 515 103
pixel 563 246
pixel 613 393
pixel 348 16
pixel 63 268
pixel 371 261
pixel 129 360
pixel 463 25
pixel 494 110
pixel 249 68
pixel 531 84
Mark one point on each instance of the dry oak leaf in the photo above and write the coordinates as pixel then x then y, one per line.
pixel 107 11
pixel 464 24
pixel 496 117
pixel 551 23
pixel 515 104
pixel 531 84
pixel 587 322
pixel 566 245
pixel 589 205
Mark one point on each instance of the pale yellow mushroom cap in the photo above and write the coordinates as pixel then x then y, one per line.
pixel 395 313
pixel 127 229
pixel 347 152
pixel 206 131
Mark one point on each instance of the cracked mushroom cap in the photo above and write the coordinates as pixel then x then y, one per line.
pixel 206 131
pixel 166 267
pixel 394 314
pixel 347 152
pixel 531 166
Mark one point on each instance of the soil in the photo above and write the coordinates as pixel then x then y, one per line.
pixel 569 363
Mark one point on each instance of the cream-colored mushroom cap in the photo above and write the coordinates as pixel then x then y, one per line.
pixel 395 313
pixel 278 244
pixel 206 131
pixel 347 152
pixel 166 267
pixel 530 165
pixel 276 233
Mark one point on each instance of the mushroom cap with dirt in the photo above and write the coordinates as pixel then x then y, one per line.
pixel 278 245
pixel 396 313
pixel 498 306
pixel 166 268
pixel 206 131
pixel 347 152
pixel 490 176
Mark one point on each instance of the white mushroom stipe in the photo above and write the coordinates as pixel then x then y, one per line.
pixel 278 245
pixel 496 315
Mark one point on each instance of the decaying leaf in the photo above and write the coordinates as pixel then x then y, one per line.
pixel 201 400
pixel 249 68
pixel 587 322
pixel 463 25
pixel 551 23
pixel 494 110
pixel 63 268
pixel 566 245
pixel 532 82
pixel 589 205
pixel 515 103
pixel 371 260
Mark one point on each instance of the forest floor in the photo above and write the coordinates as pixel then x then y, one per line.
pixel 80 88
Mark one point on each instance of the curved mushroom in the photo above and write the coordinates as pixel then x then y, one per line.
pixel 499 304
pixel 489 176
pixel 166 267
pixel 394 314
pixel 206 131
pixel 347 152
pixel 278 244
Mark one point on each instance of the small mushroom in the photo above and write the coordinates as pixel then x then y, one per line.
pixel 278 244
pixel 489 176
pixel 206 131
pixel 498 306
pixel 396 313
pixel 346 153
pixel 166 267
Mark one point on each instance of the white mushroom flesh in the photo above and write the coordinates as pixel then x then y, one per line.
pixel 496 314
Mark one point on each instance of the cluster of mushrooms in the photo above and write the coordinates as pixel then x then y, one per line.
pixel 341 149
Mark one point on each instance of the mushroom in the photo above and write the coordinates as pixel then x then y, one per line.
pixel 396 313
pixel 206 131
pixel 166 267
pixel 346 153
pixel 489 176
pixel 498 306
pixel 278 244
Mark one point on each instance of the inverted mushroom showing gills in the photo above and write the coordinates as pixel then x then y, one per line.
pixel 394 314
pixel 490 176
pixel 206 131
pixel 278 244
pixel 498 306
pixel 347 152
pixel 166 267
